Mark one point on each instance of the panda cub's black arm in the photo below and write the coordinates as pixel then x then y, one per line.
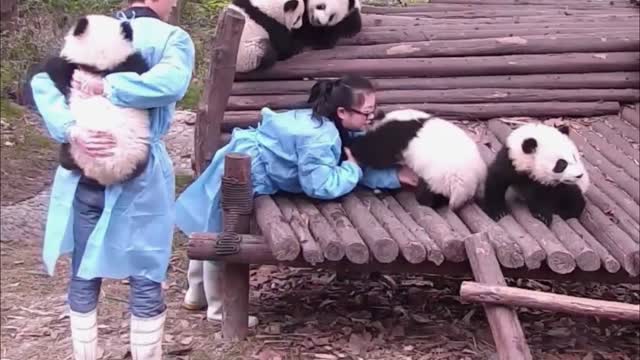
pixel 501 174
pixel 61 72
pixel 569 200
pixel 382 147
pixel 134 63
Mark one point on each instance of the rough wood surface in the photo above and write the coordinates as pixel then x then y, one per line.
pixel 585 257
pixel 355 249
pixel 448 32
pixel 505 326
pixel 615 193
pixel 508 45
pixel 508 251
pixel 595 157
pixel 299 223
pixel 617 140
pixel 598 3
pixel 217 87
pixel 467 5
pixel 631 114
pixel 412 250
pixel 324 233
pixel 484 12
pixel 613 211
pixel 454 66
pixel 235 278
pixel 504 295
pixel 457 96
pixel 469 111
pixel 606 80
pixel 610 263
pixel 281 238
pixel 383 247
pixel 618 243
pixel 608 150
pixel 434 254
pixel 624 127
pixel 450 242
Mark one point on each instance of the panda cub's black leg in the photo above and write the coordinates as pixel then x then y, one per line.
pixel 541 207
pixel 270 56
pixel 426 197
pixel 569 201
pixel 66 160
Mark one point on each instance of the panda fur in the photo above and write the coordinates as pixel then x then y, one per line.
pixel 545 168
pixel 445 158
pixel 102 45
pixel 326 21
pixel 266 36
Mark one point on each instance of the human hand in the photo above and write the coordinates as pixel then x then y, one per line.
pixel 407 176
pixel 350 157
pixel 93 143
pixel 87 84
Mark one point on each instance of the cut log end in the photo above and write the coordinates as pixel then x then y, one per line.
pixel 436 256
pixel 414 253
pixel 453 249
pixel 588 260
pixel 334 251
pixel 386 250
pixel 357 253
pixel 561 262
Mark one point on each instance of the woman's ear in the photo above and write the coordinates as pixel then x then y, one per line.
pixel 342 112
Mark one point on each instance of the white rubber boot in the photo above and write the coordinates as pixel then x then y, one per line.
pixel 195 299
pixel 146 337
pixel 84 335
pixel 212 272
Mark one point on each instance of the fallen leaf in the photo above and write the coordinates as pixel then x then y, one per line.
pixel 187 340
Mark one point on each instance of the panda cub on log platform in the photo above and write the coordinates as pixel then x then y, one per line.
pixel 102 45
pixel 544 166
pixel 446 159
pixel 326 21
pixel 266 36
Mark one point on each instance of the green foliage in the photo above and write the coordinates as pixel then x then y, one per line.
pixel 9 111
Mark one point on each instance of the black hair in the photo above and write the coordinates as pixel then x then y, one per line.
pixel 326 96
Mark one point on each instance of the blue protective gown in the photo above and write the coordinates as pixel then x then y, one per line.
pixel 134 234
pixel 291 152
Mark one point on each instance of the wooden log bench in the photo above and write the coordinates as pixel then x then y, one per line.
pixel 474 63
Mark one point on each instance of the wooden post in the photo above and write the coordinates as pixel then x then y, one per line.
pixel 504 295
pixel 176 12
pixel 218 86
pixel 237 198
pixel 505 326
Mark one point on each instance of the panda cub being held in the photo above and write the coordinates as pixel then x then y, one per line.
pixel 326 21
pixel 544 166
pixel 102 45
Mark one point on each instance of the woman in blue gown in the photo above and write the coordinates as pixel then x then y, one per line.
pixel 297 151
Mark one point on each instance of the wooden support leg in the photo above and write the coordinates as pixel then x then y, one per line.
pixel 237 205
pixel 505 326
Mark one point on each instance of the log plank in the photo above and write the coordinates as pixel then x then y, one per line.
pixel 323 232
pixel 311 251
pixel 354 246
pixel 281 237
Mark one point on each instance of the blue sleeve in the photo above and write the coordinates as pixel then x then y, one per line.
pixel 165 83
pixel 320 175
pixel 52 105
pixel 380 178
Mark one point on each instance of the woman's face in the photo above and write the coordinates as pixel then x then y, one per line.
pixel 357 118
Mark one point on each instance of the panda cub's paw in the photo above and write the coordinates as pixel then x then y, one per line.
pixel 545 217
pixel 496 212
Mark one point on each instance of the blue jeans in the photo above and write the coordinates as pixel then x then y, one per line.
pixel 146 298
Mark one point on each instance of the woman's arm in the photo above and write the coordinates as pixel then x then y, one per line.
pixel 52 106
pixel 164 84
pixel 320 175
pixel 380 178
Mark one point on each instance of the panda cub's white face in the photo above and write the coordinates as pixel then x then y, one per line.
pixel 328 12
pixel 547 154
pixel 99 41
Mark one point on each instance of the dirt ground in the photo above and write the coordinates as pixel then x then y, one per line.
pixel 304 313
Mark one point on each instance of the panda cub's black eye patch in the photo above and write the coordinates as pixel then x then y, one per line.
pixel 332 17
pixel 560 166
pixel 321 7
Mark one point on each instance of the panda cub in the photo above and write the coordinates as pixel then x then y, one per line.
pixel 326 21
pixel 544 166
pixel 102 45
pixel 266 36
pixel 446 159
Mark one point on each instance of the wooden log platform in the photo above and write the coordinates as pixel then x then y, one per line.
pixel 485 65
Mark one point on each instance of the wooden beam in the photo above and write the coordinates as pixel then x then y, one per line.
pixel 217 87
pixel 237 203
pixel 282 241
pixel 504 295
pixel 505 326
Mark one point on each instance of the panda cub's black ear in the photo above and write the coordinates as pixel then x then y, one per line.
pixel 81 26
pixel 563 129
pixel 529 145
pixel 290 6
pixel 127 31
